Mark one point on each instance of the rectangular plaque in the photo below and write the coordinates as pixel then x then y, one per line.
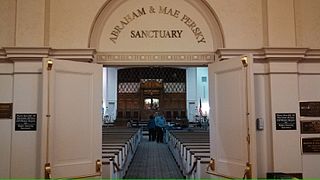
pixel 310 127
pixel 310 109
pixel 286 121
pixel 26 122
pixel 5 110
pixel 311 145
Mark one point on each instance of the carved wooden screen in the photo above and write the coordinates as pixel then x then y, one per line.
pixel 163 86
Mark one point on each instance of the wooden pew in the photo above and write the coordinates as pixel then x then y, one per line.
pixel 118 148
pixel 191 151
pixel 200 164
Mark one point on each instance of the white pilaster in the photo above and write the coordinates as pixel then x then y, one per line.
pixel 284 99
pixel 112 89
pixel 26 99
pixel 191 75
pixel 6 93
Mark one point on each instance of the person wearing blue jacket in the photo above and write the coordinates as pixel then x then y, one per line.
pixel 160 124
pixel 152 128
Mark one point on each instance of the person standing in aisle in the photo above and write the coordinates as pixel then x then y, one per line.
pixel 152 128
pixel 160 124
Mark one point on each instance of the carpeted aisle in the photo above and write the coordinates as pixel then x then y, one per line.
pixel 153 160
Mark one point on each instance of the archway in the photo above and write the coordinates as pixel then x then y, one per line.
pixel 156 33
pixel 183 32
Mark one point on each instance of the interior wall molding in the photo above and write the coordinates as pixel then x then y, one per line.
pixel 37 53
pixel 155 58
pixel 10 54
pixel 2 54
pixel 271 54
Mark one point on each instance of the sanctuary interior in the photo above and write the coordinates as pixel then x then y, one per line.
pixel 237 81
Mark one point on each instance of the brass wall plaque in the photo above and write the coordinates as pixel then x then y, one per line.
pixel 310 127
pixel 311 145
pixel 5 110
pixel 310 109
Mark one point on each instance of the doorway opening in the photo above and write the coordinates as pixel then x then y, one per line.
pixel 134 93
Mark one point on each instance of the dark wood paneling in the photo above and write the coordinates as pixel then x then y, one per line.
pixel 171 105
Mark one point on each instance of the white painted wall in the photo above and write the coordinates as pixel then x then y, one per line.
pixel 111 91
pixel 241 22
pixel 26 99
pixel 281 14
pixel 30 19
pixel 6 96
pixel 264 142
pixel 7 22
pixel 307 16
pixel 197 89
pixel 284 99
pixel 202 89
pixel 104 90
pixel 67 23
pixel 191 96
pixel 309 88
pixel 70 22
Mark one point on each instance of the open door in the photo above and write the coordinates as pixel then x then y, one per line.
pixel 71 125
pixel 232 122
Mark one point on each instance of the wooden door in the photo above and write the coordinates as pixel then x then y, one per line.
pixel 71 128
pixel 232 122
